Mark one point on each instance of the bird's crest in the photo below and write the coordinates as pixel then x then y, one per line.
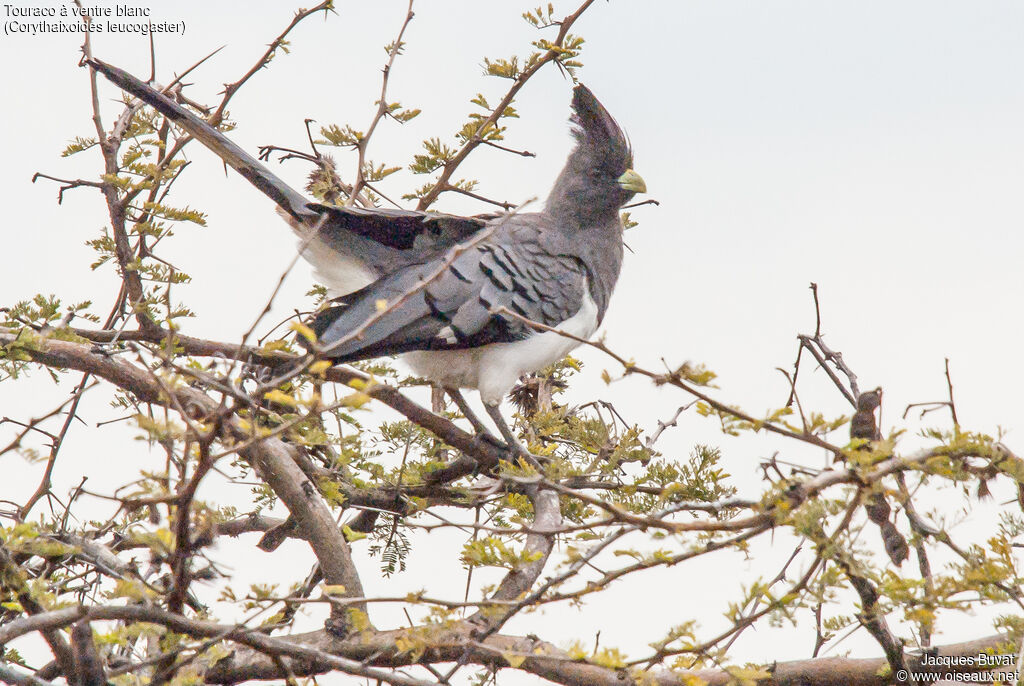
pixel 595 129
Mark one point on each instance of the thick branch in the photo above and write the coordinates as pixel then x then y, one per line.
pixel 270 457
pixel 319 652
pixel 13 580
pixel 484 454
pixel 547 519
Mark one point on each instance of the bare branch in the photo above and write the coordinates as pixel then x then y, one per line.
pixel 444 180
pixel 382 109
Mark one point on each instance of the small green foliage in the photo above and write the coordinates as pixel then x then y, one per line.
pixel 376 173
pixel 392 545
pixel 700 478
pixel 42 547
pixel 340 136
pixel 357 619
pixel 175 214
pixel 612 658
pixel 696 374
pixel 12 656
pixel 464 184
pixel 682 636
pixel 77 145
pixel 747 676
pixel 503 68
pixel 565 53
pixel 541 17
pixel 104 245
pixel 493 552
pixel 42 309
pixel 437 155
pixel 261 593
pixel 820 425
pixel 132 589
pixel 159 430
pixel 400 114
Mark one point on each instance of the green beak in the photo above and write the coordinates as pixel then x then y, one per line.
pixel 632 181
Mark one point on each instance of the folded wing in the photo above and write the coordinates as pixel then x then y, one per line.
pixel 461 300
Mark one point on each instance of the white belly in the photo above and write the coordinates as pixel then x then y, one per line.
pixel 340 274
pixel 494 369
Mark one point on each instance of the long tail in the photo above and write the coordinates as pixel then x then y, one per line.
pixel 245 164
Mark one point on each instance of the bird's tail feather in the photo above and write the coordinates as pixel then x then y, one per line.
pixel 245 164
pixel 322 320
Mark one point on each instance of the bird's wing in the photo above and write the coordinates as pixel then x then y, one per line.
pixel 456 301
pixel 391 230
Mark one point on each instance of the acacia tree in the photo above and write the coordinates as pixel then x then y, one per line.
pixel 143 595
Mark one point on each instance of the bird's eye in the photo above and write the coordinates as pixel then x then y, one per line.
pixel 596 173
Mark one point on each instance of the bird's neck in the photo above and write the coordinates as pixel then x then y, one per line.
pixel 572 215
pixel 595 238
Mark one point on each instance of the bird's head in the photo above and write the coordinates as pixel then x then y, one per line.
pixel 598 176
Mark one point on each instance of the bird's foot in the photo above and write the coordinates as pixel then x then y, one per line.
pixel 512 443
pixel 478 426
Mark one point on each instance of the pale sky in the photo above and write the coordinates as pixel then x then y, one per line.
pixel 875 148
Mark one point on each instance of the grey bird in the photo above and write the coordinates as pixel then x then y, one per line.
pixel 456 295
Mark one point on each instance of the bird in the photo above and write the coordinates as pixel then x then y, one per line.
pixel 458 298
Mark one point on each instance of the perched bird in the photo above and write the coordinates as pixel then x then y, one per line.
pixel 455 295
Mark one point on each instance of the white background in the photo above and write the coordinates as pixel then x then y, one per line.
pixel 875 148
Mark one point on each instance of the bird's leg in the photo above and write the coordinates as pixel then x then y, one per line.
pixel 478 426
pixel 495 412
